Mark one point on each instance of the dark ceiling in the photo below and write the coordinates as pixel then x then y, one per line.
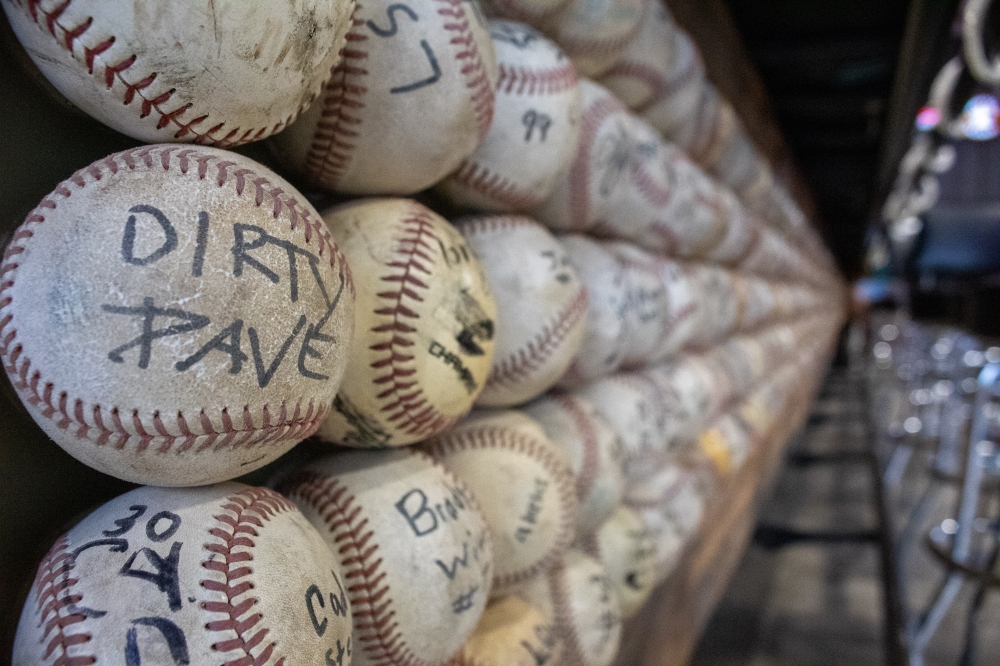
pixel 829 67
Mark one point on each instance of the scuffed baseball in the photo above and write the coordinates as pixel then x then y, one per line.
pixel 411 98
pixel 643 75
pixel 511 632
pixel 581 597
pixel 629 556
pixel 221 574
pixel 668 543
pixel 424 327
pixel 596 33
pixel 541 306
pixel 595 452
pixel 175 315
pixel 535 129
pixel 245 71
pixel 414 548
pixel 636 409
pixel 524 485
pixel 604 277
pixel 588 192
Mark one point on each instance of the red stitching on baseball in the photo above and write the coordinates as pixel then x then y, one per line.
pixel 537 351
pixel 521 80
pixel 339 125
pixel 108 425
pixel 579 174
pixel 590 465
pixel 406 405
pixel 660 86
pixel 48 21
pixel 470 61
pixel 53 589
pixel 588 47
pixel 371 607
pixel 479 225
pixel 497 437
pixel 572 651
pixel 244 515
pixel 479 178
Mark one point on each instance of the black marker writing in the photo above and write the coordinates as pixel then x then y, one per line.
pixel 433 78
pixel 536 119
pixel 464 602
pixel 172 634
pixel 455 562
pixel 128 238
pixel 149 312
pixel 165 576
pixel 393 26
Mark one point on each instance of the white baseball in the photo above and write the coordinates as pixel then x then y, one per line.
pixel 411 98
pixel 691 387
pixel 220 73
pixel 629 556
pixel 596 33
pixel 643 75
pixel 525 487
pixel 588 192
pixel 415 551
pixel 222 574
pixel 667 541
pixel 581 597
pixel 536 126
pixel 646 307
pixel 511 632
pixel 424 325
pixel 636 409
pixel 541 306
pixel 683 302
pixel 595 452
pixel 535 12
pixel 675 98
pixel 601 350
pixel 175 315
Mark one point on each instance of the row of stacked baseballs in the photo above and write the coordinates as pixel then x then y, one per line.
pixel 385 557
pixel 507 133
pixel 634 49
pixel 128 290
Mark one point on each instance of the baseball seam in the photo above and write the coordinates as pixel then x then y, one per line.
pixel 660 85
pixel 481 225
pixel 340 121
pixel 579 173
pixel 524 361
pixel 590 465
pixel 55 577
pixel 493 437
pixel 371 608
pixel 48 21
pixel 521 80
pixel 243 515
pixel 583 46
pixel 110 425
pixel 499 189
pixel 573 651
pixel 470 63
pixel 406 405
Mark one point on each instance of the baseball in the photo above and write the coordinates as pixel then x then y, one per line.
pixel 424 326
pixel 604 278
pixel 667 541
pixel 415 551
pixel 636 409
pixel 541 306
pixel 524 485
pixel 646 308
pixel 245 71
pixel 535 12
pixel 581 597
pixel 596 33
pixel 175 315
pixel 511 632
pixel 629 556
pixel 643 75
pixel 679 92
pixel 536 126
pixel 588 192
pixel 411 98
pixel 222 574
pixel 683 303
pixel 596 454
